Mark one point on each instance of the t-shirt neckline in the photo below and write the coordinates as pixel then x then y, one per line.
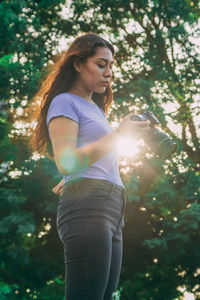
pixel 82 98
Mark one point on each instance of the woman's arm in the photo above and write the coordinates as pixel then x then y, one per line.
pixel 68 158
pixel 64 135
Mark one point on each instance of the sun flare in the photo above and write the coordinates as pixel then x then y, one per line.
pixel 128 147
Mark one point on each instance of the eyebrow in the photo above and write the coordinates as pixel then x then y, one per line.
pixel 106 60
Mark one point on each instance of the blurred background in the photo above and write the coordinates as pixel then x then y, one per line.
pixel 157 45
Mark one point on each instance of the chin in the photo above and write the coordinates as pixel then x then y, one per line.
pixel 100 90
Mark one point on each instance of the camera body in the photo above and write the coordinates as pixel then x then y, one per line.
pixel 158 141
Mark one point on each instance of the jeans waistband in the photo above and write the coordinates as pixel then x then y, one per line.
pixel 83 182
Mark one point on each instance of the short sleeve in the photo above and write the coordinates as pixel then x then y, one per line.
pixel 62 105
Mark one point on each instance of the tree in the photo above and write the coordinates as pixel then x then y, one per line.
pixel 31 253
pixel 156 66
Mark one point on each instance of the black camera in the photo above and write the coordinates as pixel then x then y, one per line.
pixel 158 141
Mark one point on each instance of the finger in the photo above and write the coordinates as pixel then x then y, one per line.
pixel 60 190
pixel 129 116
pixel 143 132
pixel 61 183
pixel 58 186
pixel 55 187
pixel 142 123
pixel 55 192
pixel 60 193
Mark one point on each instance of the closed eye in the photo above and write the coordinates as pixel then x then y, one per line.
pixel 100 66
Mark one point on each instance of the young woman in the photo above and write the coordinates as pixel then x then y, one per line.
pixel 75 98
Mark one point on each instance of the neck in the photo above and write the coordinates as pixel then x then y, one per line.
pixel 81 92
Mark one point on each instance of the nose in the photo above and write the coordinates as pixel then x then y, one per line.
pixel 108 73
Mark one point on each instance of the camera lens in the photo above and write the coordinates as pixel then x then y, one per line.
pixel 158 141
pixel 166 148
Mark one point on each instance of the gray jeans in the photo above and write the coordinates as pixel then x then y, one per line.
pixel 89 223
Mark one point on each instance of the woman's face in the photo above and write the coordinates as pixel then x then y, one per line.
pixel 96 72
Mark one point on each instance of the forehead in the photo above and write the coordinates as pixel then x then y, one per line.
pixel 103 52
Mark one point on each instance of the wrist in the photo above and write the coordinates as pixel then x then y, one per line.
pixel 117 132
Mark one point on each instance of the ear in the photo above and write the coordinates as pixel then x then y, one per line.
pixel 77 64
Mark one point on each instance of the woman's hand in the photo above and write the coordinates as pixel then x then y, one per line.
pixel 135 129
pixel 58 189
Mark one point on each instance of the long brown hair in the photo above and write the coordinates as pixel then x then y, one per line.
pixel 59 78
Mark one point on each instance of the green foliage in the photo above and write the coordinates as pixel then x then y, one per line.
pixel 132 190
pixel 158 62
